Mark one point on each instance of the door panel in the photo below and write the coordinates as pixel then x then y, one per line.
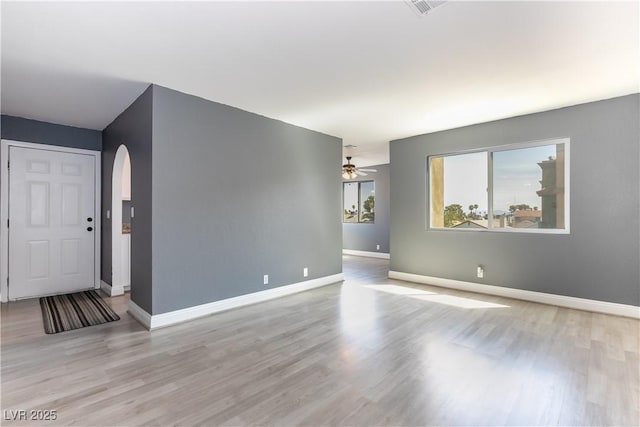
pixel 38 204
pixel 71 169
pixel 71 203
pixel 51 198
pixel 36 166
pixel 38 259
pixel 70 251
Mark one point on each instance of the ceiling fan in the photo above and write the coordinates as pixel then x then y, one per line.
pixel 350 171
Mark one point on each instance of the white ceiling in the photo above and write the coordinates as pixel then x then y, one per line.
pixel 365 71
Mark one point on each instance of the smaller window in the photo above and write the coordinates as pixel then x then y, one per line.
pixel 367 201
pixel 358 202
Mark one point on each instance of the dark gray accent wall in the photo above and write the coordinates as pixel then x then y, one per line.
pixel 133 129
pixel 598 260
pixel 236 196
pixel 27 130
pixel 365 236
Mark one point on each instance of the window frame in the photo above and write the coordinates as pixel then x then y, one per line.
pixel 489 152
pixel 359 200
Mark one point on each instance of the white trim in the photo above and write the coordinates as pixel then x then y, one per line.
pixel 190 313
pixel 4 206
pixel 116 218
pixel 105 287
pixel 112 291
pixel 98 220
pixel 521 294
pixel 139 314
pixel 4 215
pixel 353 252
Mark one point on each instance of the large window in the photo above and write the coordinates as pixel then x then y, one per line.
pixel 522 187
pixel 358 202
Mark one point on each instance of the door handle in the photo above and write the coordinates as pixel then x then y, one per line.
pixel 89 228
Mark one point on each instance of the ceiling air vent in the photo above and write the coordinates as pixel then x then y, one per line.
pixel 422 7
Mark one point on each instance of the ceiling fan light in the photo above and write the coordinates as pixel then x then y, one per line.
pixel 345 175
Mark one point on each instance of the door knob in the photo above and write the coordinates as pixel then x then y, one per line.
pixel 89 219
pixel 89 228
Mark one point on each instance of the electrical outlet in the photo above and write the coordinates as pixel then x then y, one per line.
pixel 265 279
pixel 480 272
pixel 377 247
pixel 305 272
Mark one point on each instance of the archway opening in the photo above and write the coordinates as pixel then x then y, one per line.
pixel 121 222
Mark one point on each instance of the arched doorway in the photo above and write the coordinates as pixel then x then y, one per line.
pixel 120 239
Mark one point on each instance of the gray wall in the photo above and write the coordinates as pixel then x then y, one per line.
pixel 364 236
pixel 133 129
pixel 598 260
pixel 235 196
pixel 27 130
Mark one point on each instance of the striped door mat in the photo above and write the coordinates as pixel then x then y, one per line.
pixel 72 311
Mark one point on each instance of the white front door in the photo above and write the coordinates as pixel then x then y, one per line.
pixel 51 222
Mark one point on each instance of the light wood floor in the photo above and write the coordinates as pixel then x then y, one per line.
pixel 369 351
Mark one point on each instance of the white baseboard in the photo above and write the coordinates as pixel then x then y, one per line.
pixel 106 288
pixel 540 297
pixel 190 313
pixel 366 253
pixel 139 314
pixel 112 291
